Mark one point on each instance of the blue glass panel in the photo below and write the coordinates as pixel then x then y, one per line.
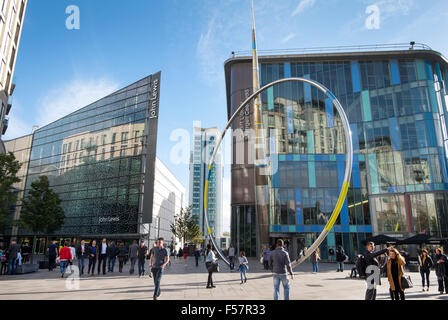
pixel 353 229
pixel 431 133
pixel 306 228
pixel 355 76
pixel 432 96
pixel 394 72
pixel 361 228
pixel 289 157
pixel 310 138
pixel 330 239
pixel 368 229
pixel 341 171
pixel 303 157
pixel 429 72
pixel 276 228
pixel 275 181
pixel 367 114
pixel 289 120
pixel 438 72
pixel 355 141
pixel 271 98
pixel 284 228
pixel 312 174
pixel 281 157
pixel 299 215
pixel 344 214
pixel 355 175
pixel 421 70
pixel 314 228
pixel 361 157
pixel 345 229
pixel 307 88
pixel 373 171
pixel 329 110
pixel 337 229
pixel 287 69
pixel 299 228
pixel 394 133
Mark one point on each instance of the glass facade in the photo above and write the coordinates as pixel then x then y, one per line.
pixel 93 159
pixel 396 108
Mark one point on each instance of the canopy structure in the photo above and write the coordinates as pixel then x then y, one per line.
pixel 423 239
pixel 381 239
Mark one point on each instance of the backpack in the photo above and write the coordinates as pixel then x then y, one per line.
pixel 361 266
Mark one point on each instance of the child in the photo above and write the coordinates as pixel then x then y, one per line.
pixel 244 266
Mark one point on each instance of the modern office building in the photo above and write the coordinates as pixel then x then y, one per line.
pixel 204 142
pixel 396 101
pixel 102 162
pixel 12 13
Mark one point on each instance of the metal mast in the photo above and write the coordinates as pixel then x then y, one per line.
pixel 261 169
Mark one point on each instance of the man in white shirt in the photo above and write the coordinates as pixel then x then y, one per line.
pixel 102 257
pixel 73 253
pixel 82 254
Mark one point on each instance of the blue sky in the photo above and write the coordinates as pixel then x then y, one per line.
pixel 60 70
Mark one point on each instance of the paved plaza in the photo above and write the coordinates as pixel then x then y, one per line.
pixel 180 282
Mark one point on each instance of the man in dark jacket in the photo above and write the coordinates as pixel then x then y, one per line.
pixel 14 249
pixel 280 264
pixel 52 255
pixel 370 259
pixel 340 258
pixel 102 255
pixel 133 255
pixel 112 252
pixel 122 255
pixel 82 254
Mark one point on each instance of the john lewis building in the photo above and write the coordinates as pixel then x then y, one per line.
pixel 396 102
pixel 102 162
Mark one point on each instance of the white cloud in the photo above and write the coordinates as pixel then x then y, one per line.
pixel 210 54
pixel 303 4
pixel 71 96
pixel 288 37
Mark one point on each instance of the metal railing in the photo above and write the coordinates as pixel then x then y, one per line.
pixel 358 48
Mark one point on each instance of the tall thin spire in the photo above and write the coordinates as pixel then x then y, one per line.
pixel 256 80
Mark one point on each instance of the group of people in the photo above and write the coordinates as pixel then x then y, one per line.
pixel 12 257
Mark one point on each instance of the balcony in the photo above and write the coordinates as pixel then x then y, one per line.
pixel 5 125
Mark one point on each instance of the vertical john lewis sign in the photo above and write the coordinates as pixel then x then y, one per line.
pixel 152 118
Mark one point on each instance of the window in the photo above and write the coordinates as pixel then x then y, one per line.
pixel 114 137
pixel 124 136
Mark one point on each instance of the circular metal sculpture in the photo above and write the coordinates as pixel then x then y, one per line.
pixel 347 175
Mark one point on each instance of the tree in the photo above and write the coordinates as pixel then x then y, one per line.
pixel 184 226
pixel 9 167
pixel 41 210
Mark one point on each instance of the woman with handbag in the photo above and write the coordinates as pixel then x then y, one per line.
pixel 211 262
pixel 395 274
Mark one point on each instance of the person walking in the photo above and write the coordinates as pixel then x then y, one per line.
pixel 14 250
pixel 102 255
pixel 82 254
pixel 197 254
pixel 142 252
pixel 340 258
pixel 231 257
pixel 280 265
pixel 112 252
pixel 52 251
pixel 331 253
pixel 315 257
pixel 26 252
pixel 425 264
pixel 244 266
pixel 122 252
pixel 370 259
pixel 133 254
pixel 186 252
pixel 73 253
pixel 441 262
pixel 168 251
pixel 158 261
pixel 211 262
pixel 65 256
pixel 4 262
pixel 395 271
pixel 93 256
